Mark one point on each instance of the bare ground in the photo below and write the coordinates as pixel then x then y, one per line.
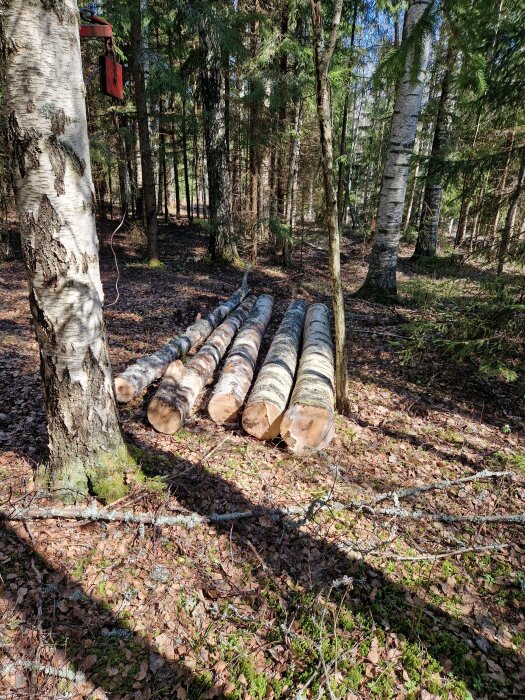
pixel 345 605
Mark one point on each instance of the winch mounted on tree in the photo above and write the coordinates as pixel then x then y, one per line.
pixel 111 77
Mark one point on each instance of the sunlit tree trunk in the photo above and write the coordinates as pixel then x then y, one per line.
pixel 380 282
pixel 322 57
pixel 49 153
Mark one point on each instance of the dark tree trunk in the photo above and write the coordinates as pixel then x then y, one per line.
pixel 222 244
pixel 185 161
pixel 428 229
pixel 511 215
pixel 146 159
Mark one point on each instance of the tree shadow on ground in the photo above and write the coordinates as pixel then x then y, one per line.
pixel 277 551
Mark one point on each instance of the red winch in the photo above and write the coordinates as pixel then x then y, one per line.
pixel 111 78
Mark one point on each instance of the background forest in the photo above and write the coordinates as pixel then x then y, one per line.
pixel 366 154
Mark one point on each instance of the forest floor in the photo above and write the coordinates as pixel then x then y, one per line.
pixel 346 603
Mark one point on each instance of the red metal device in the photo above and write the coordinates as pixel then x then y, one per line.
pixel 111 76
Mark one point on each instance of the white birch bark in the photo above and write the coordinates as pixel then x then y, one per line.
pixel 237 374
pixel 381 278
pixel 142 373
pixel 271 391
pixel 309 422
pixel 177 393
pixel 44 107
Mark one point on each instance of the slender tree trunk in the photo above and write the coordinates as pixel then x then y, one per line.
pixel 466 198
pixel 48 143
pixel 148 174
pixel 222 244
pixel 124 189
pixel 175 163
pixel 344 128
pixel 322 58
pixel 493 231
pixel 380 282
pixel 189 210
pixel 428 230
pixel 511 215
pixel 293 168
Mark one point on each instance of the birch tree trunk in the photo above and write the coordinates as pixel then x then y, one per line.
pixel 322 58
pixel 146 159
pixel 45 112
pixel 222 243
pixel 426 244
pixel 309 422
pixel 380 282
pixel 271 391
pixel 239 367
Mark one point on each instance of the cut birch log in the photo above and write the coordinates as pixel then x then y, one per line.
pixel 142 373
pixel 177 393
pixel 269 397
pixel 309 422
pixel 237 374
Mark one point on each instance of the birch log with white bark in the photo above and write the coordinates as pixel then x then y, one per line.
pixel 142 373
pixel 237 374
pixel 177 393
pixel 43 97
pixel 269 397
pixel 309 422
pixel 380 282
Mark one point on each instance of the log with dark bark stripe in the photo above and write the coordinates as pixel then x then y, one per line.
pixel 270 394
pixel 177 393
pixel 309 422
pixel 237 374
pixel 141 374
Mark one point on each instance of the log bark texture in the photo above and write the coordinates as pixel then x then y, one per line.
pixel 176 396
pixel 141 374
pixel 237 374
pixel 309 422
pixel 269 397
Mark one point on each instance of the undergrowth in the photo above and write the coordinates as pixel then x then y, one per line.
pixel 481 326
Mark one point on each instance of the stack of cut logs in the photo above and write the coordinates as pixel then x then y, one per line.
pixel 293 394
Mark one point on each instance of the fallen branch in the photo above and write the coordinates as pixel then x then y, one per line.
pixel 438 485
pixel 515 518
pixel 441 555
pixel 76 677
pixel 95 514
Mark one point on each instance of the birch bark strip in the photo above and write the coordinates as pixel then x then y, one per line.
pixel 176 396
pixel 141 374
pixel 270 394
pixel 237 374
pixel 309 422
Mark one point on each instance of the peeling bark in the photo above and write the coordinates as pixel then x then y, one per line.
pixel 380 282
pixel 49 153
